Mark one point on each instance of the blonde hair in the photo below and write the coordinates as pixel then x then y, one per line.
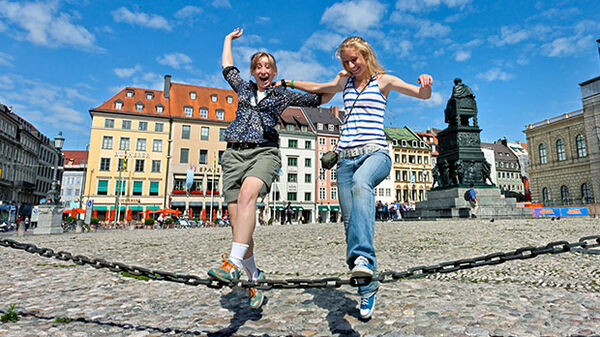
pixel 254 60
pixel 364 49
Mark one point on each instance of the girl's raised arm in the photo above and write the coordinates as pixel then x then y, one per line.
pixel 336 85
pixel 389 82
pixel 227 57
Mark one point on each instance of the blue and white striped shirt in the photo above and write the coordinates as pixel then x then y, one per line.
pixel 364 124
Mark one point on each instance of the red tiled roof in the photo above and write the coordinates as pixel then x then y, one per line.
pixel 75 157
pixel 139 95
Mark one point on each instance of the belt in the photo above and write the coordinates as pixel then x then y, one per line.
pixel 358 151
pixel 245 146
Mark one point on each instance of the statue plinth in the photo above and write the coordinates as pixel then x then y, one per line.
pixel 49 219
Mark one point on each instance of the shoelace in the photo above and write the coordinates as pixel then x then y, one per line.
pixel 364 301
pixel 226 264
pixel 252 292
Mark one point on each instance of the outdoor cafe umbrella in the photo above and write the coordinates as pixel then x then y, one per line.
pixel 203 214
pixel 214 213
pixel 74 211
pixel 129 214
pixel 225 212
pixel 95 213
pixel 147 214
pixel 191 213
pixel 112 214
pixel 107 216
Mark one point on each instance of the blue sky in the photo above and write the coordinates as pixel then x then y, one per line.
pixel 523 59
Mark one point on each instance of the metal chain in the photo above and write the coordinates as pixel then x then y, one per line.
pixel 523 253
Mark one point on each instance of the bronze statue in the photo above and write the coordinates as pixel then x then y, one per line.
pixel 458 172
pixel 444 173
pixel 486 170
pixel 435 173
pixel 461 106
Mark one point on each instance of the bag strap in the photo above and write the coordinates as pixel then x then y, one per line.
pixel 371 78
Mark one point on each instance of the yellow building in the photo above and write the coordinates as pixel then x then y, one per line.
pixel 411 164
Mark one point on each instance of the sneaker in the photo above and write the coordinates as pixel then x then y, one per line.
pixel 367 305
pixel 256 296
pixel 362 268
pixel 226 272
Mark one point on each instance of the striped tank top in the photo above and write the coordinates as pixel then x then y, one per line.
pixel 364 124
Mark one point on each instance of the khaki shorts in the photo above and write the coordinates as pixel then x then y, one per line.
pixel 261 162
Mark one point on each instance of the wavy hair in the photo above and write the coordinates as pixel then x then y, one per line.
pixel 364 49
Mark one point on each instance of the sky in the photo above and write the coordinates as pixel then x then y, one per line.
pixel 522 59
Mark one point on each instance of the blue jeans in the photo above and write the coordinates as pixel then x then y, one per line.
pixel 357 177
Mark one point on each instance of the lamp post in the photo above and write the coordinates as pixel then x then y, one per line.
pixel 53 195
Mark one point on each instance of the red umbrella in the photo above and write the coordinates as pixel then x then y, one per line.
pixel 214 213
pixel 147 214
pixel 225 212
pixel 191 213
pixel 203 214
pixel 112 215
pixel 95 213
pixel 106 217
pixel 74 211
pixel 129 214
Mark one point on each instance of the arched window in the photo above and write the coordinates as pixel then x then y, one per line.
pixel 560 150
pixel 581 150
pixel 542 151
pixel 564 194
pixel 545 194
pixel 586 196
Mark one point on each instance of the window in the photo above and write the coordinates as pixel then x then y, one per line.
pixel 149 95
pixel 155 166
pixel 109 123
pixel 308 144
pixel 290 127
pixel 426 159
pixel 560 150
pixel 107 142
pixel 333 141
pixel 122 166
pixel 126 125
pixel 179 184
pixel 292 196
pixel 229 99
pixel 586 196
pixel 307 162
pixel 319 126
pixel 333 173
pixel 141 144
pixel 139 106
pixel 213 98
pixel 330 127
pixel 160 109
pixel 204 133
pixel 404 158
pixel 542 152
pixel 222 134
pixel 292 178
pixel 307 196
pixel 158 127
pixel 124 143
pixel 129 93
pixel 139 165
pixel 183 155
pixel 545 194
pixel 137 187
pixel 322 174
pixel 220 156
pixel 322 193
pixel 203 113
pixel 118 105
pixel 187 111
pixel 564 194
pixel 121 187
pixel 307 178
pixel 143 126
pixel 203 158
pixel 293 143
pixel 185 131
pixel 419 159
pixel 333 193
pixel 220 114
pixel 104 164
pixel 157 145
pixel 581 149
pixel 193 95
pixel 397 172
pixel 102 187
pixel 153 188
pixel 292 161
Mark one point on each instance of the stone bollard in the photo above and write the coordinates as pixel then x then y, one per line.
pixel 79 226
pixel 21 229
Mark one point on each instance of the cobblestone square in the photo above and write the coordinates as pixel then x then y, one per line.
pixel 550 295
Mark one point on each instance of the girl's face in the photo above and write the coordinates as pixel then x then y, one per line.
pixel 353 61
pixel 263 73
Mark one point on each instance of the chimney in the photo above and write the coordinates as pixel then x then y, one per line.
pixel 334 110
pixel 167 86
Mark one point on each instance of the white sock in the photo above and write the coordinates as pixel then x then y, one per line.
pixel 238 250
pixel 250 268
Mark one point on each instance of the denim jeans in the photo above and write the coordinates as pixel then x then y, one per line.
pixel 357 177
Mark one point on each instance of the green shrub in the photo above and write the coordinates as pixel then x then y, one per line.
pixel 169 221
pixel 70 219
pixel 94 221
pixel 270 221
pixel 11 315
pixel 149 222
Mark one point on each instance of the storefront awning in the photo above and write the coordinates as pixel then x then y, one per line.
pixel 122 208
pixel 99 208
pixel 136 208
pixel 196 204
pixel 278 208
pixel 323 208
pixel 153 208
pixel 335 208
pixel 298 208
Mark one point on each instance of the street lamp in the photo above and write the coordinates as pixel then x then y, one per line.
pixel 53 194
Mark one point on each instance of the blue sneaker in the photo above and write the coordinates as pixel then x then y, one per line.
pixel 226 272
pixel 367 305
pixel 362 268
pixel 256 296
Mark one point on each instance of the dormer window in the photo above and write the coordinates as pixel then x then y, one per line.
pixel 213 98
pixel 422 144
pixel 129 93
pixel 149 95
pixel 193 95
pixel 330 127
pixel 414 143
pixel 290 127
pixel 220 114
pixel 319 126
pixel 304 128
pixel 118 105
pixel 160 108
pixel 187 110
pixel 203 112
pixel 139 106
pixel 404 143
pixel 229 99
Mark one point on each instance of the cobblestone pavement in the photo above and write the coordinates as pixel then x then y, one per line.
pixel 546 296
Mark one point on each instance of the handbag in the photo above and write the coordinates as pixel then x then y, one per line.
pixel 330 158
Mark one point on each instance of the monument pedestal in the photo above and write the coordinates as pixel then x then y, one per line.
pixel 49 220
pixel 450 203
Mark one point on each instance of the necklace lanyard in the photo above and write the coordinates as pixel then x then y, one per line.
pixel 371 78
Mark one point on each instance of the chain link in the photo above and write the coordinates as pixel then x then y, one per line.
pixel 556 247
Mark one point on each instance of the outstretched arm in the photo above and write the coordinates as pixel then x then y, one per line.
pixel 389 83
pixel 227 57
pixel 336 85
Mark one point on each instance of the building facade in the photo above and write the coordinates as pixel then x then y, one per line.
pixel 590 95
pixel 508 171
pixel 73 179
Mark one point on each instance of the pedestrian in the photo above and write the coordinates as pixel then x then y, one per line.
pixel 252 159
pixel 160 220
pixel 364 160
pixel 473 203
pixel 26 222
pixel 289 213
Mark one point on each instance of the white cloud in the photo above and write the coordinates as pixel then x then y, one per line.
pixel 188 12
pixel 43 24
pixel 6 59
pixel 294 65
pixel 424 5
pixel 325 41
pixel 509 35
pixel 435 100
pixel 494 74
pixel 127 72
pixel 462 55
pixel 175 60
pixel 567 46
pixel 433 30
pixel 221 4
pixel 263 19
pixel 6 83
pixel 153 21
pixel 358 15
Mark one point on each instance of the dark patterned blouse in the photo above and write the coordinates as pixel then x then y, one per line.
pixel 255 121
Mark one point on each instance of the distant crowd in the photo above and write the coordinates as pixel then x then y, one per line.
pixel 394 211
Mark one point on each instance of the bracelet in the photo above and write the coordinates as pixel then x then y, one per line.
pixel 292 84
pixel 283 84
